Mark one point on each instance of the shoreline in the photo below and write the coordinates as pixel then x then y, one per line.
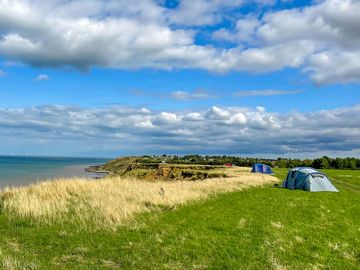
pixel 23 172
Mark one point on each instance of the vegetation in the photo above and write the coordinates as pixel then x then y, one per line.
pixel 110 202
pixel 257 228
pixel 319 163
pixel 139 168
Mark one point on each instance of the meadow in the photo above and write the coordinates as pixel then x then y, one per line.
pixel 224 224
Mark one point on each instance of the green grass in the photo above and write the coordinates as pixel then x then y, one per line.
pixel 259 228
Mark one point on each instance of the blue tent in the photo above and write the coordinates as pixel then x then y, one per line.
pixel 261 168
pixel 308 179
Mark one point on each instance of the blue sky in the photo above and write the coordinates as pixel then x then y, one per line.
pixel 108 78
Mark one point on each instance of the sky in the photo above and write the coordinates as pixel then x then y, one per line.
pixel 105 78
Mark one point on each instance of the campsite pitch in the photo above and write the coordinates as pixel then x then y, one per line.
pixel 256 228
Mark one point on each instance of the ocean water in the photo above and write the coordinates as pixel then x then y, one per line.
pixel 16 171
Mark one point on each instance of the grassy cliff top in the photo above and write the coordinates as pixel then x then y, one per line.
pixel 158 169
pixel 262 227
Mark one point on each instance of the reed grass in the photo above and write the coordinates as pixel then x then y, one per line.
pixel 110 202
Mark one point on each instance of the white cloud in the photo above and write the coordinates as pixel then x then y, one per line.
pixel 260 109
pixel 268 92
pixel 227 130
pixel 180 95
pixel 42 77
pixel 208 12
pixel 198 94
pixel 243 32
pixel 331 27
pixel 201 12
pixel 177 95
pixel 42 39
pixel 238 118
pixel 145 111
pixel 144 124
pixel 332 67
pixel 328 28
pixel 2 73
pixel 216 113
pixel 193 116
pixel 165 118
pixel 121 34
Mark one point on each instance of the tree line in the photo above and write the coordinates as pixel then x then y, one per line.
pixel 318 163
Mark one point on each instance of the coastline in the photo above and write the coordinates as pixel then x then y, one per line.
pixel 23 171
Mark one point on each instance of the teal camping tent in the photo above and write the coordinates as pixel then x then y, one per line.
pixel 308 179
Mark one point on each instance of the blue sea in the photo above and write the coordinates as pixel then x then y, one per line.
pixel 16 171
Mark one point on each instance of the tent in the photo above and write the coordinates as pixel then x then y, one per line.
pixel 309 179
pixel 261 168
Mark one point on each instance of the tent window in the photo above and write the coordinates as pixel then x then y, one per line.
pixel 292 174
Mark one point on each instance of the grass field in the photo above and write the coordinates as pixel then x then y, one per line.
pixel 256 228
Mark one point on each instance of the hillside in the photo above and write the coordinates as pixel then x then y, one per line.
pixel 150 169
pixel 254 228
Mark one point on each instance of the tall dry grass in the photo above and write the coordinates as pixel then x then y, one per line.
pixel 9 261
pixel 110 202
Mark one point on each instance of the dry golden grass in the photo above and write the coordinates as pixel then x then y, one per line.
pixel 110 202
pixel 11 262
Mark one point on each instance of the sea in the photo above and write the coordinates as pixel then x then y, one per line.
pixel 24 170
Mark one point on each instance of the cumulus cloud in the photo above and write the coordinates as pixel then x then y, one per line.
pixel 328 27
pixel 269 92
pixel 165 118
pixel 244 31
pixel 333 67
pixel 120 34
pixel 201 12
pixel 331 27
pixel 216 113
pixel 215 130
pixel 42 77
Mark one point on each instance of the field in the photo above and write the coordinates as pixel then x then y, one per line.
pixel 258 227
pixel 114 201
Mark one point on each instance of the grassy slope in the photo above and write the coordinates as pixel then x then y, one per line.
pixel 260 228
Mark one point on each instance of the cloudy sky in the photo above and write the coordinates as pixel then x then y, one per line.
pixel 243 77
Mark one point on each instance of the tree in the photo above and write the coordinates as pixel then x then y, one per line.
pixel 337 163
pixel 350 163
pixel 322 163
